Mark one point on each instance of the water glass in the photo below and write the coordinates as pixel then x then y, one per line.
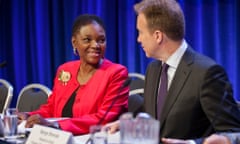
pixel 141 130
pixel 10 123
pixel 1 126
pixel 98 134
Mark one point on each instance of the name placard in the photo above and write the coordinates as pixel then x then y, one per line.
pixel 46 135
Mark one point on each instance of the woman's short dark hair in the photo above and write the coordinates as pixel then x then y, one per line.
pixel 85 19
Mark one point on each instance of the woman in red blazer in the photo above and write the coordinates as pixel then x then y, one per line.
pixel 84 89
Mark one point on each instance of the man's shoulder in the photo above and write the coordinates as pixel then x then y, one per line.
pixel 198 59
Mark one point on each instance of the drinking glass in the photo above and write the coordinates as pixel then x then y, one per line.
pixel 126 128
pixel 141 130
pixel 10 123
pixel 1 125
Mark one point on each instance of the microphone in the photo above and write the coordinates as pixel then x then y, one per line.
pixel 3 64
pixel 225 94
pixel 125 84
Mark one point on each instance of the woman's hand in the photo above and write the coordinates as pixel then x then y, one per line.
pixel 22 116
pixel 38 119
pixel 112 127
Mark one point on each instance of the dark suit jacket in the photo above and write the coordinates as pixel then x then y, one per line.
pixel 194 98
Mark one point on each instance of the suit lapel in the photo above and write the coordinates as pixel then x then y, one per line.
pixel 178 82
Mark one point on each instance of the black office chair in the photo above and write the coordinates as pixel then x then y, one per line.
pixel 238 104
pixel 6 93
pixel 135 101
pixel 32 96
pixel 137 81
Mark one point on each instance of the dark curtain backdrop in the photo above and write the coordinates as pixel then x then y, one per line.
pixel 35 36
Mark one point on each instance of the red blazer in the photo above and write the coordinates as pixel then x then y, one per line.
pixel 92 99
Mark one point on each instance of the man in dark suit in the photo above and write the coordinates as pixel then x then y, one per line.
pixel 199 98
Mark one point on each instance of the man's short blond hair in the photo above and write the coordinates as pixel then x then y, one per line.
pixel 163 15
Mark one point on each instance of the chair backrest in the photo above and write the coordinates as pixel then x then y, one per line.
pixel 32 96
pixel 137 81
pixel 135 101
pixel 238 104
pixel 137 75
pixel 6 93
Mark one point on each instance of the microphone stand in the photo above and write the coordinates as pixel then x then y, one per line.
pixel 126 83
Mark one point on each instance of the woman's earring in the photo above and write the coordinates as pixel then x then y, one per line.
pixel 75 51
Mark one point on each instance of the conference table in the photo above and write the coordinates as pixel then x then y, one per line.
pixel 82 139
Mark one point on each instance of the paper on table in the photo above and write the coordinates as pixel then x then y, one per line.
pixel 22 129
pixel 112 138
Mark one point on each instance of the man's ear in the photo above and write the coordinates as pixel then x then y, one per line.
pixel 158 35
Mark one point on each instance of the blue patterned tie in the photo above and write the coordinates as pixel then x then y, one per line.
pixel 162 89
